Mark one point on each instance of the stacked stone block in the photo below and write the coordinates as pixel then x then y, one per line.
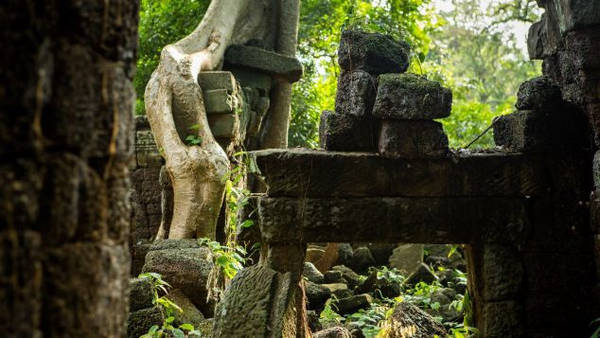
pixel 378 108
pixel 543 121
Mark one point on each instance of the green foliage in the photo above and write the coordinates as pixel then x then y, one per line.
pixel 329 314
pixel 161 23
pixel 595 325
pixel 369 320
pixel 169 308
pixel 229 259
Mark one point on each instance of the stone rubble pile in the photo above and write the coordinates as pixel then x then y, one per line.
pixel 381 109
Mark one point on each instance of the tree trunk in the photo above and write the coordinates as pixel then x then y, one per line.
pixel 66 104
pixel 174 105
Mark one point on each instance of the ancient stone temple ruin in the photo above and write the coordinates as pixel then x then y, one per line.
pixel 527 211
pixel 386 175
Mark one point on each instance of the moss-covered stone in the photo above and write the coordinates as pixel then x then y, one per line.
pixel 411 97
pixel 372 52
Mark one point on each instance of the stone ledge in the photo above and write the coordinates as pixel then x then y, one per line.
pixel 405 220
pixel 310 173
pixel 264 60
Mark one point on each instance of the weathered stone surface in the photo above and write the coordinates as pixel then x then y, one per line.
pixel 573 14
pixel 345 254
pixel 353 304
pixel 407 220
pixel 333 277
pixel 502 273
pixel 316 295
pixel 412 139
pixel 185 265
pixel 253 79
pixel 264 60
pixel 218 101
pixel 352 278
pixel 362 260
pixel 539 93
pixel 407 258
pixel 381 252
pixel 373 53
pixel 530 131
pixel 333 332
pixel 422 274
pixel 502 319
pixel 411 97
pixel 146 152
pixel 355 93
pixel 312 274
pixel 259 302
pixel 340 290
pixel 139 322
pixel 224 125
pixel 409 320
pixel 301 172
pixel 141 294
pixel 346 132
pixel 189 314
pixel 211 80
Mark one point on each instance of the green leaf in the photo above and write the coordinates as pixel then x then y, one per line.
pixel 187 327
pixel 247 223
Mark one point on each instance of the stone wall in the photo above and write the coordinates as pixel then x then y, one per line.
pixel 66 103
pixel 145 193
pixel 568 40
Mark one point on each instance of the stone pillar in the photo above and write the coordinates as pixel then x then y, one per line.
pixel 66 105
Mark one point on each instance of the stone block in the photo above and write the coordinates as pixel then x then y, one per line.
pixel 333 332
pixel 352 304
pixel 213 80
pixel 218 101
pixel 312 173
pixel 502 319
pixel 407 258
pixel 346 132
pixel 422 274
pixel 502 273
pixel 373 53
pixel 190 313
pixel 146 152
pixel 412 139
pixel 316 295
pixel 139 322
pixel 141 294
pixel 224 125
pixel 411 97
pixel 185 265
pixel 533 131
pixel 539 93
pixel 573 14
pixel 311 273
pixel 253 79
pixel 394 220
pixel 263 60
pixel 355 93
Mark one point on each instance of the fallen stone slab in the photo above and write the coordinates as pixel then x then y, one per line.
pixel 411 97
pixel 412 139
pixel 373 53
pixel 352 304
pixel 312 173
pixel 264 60
pixel 346 132
pixel 355 93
